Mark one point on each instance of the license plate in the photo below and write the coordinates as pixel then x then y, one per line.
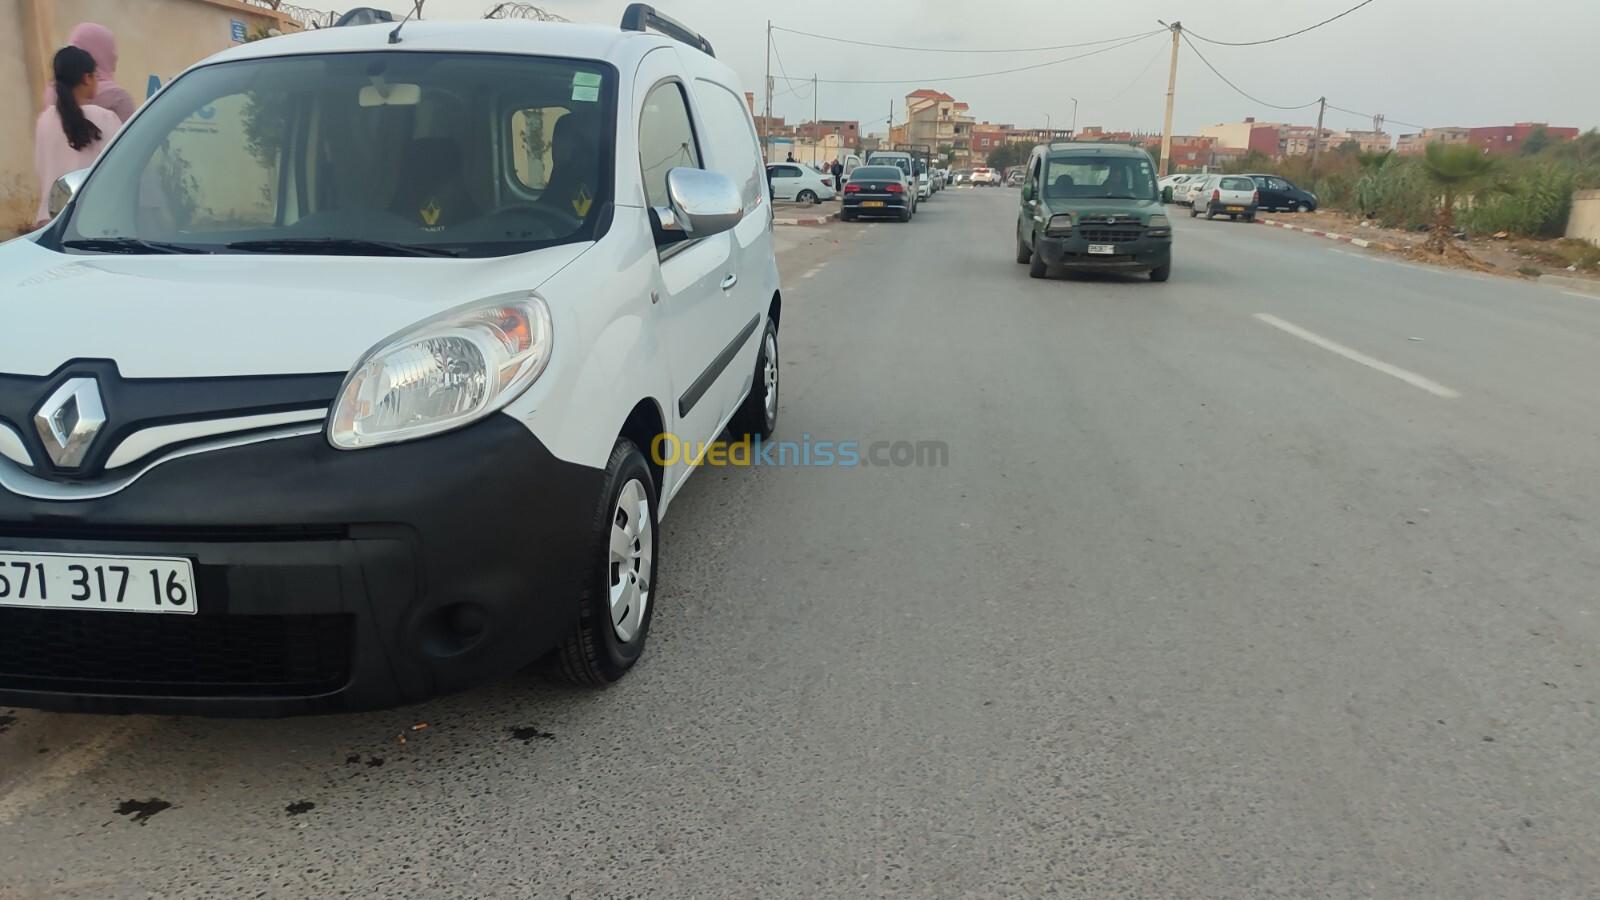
pixel 141 584
pixel 872 203
pixel 1102 249
pixel 1235 209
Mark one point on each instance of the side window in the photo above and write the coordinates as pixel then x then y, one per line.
pixel 735 150
pixel 1033 176
pixel 1278 184
pixel 666 140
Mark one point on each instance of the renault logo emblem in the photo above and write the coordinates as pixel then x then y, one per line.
pixel 69 421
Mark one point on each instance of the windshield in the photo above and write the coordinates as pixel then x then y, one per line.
pixel 457 154
pixel 900 162
pixel 1125 177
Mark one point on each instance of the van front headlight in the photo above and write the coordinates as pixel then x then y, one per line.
pixel 443 373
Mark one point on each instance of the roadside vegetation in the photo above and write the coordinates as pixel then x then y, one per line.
pixel 1454 190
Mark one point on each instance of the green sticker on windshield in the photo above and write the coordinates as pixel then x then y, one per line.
pixel 585 94
pixel 585 79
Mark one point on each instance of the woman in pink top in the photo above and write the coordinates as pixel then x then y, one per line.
pixel 70 134
pixel 102 45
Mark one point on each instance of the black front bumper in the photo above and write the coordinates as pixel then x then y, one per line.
pixel 326 580
pixel 1072 252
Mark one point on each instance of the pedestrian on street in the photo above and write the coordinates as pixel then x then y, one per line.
pixel 102 45
pixel 790 157
pixel 70 134
pixel 838 175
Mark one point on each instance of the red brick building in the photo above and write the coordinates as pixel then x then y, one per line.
pixel 1498 139
pixel 848 130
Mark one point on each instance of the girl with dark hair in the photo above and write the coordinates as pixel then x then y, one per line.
pixel 71 132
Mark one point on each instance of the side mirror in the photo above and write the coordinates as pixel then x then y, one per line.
pixel 65 188
pixel 1027 191
pixel 702 203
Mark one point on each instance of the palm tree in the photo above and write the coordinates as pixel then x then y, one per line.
pixel 1454 169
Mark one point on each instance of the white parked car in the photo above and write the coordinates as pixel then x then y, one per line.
pixel 1185 193
pixel 984 177
pixel 802 184
pixel 329 422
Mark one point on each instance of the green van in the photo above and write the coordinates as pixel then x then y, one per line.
pixel 1093 207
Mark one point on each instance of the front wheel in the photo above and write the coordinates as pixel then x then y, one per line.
pixel 758 415
pixel 616 604
pixel 1161 273
pixel 806 197
pixel 1302 207
pixel 1024 252
pixel 1037 267
pixel 1193 212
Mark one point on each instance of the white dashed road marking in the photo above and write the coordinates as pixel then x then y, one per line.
pixel 1356 356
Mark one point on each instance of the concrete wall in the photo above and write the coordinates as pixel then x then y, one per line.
pixel 1584 223
pixel 157 38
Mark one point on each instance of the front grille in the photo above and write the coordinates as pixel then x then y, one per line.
pixel 142 654
pixel 1110 235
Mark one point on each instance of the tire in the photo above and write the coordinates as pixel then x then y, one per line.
pixel 1302 207
pixel 905 214
pixel 1193 212
pixel 806 197
pixel 846 216
pixel 1233 217
pixel 757 417
pixel 1037 268
pixel 1161 273
pixel 1250 218
pixel 1024 252
pixel 1211 214
pixel 606 643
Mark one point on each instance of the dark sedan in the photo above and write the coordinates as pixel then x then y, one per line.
pixel 1280 193
pixel 877 191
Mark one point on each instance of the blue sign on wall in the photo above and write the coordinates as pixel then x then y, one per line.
pixel 239 35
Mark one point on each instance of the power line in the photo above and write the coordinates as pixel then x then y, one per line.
pixel 1368 116
pixel 1053 62
pixel 1155 56
pixel 843 40
pixel 1281 36
pixel 1242 91
pixel 785 74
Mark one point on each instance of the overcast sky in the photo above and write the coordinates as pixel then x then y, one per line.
pixel 1432 62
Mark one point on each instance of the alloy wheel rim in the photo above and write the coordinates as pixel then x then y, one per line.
pixel 769 375
pixel 628 565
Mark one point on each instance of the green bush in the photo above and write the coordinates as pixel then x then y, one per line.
pixel 1533 200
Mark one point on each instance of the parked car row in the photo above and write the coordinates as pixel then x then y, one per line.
pixel 1273 192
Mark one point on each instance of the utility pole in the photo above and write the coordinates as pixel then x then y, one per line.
pixel 766 120
pixel 1316 139
pixel 1172 87
pixel 1074 118
pixel 816 127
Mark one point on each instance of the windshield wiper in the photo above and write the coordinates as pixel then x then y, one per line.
pixel 128 245
pixel 1121 197
pixel 338 247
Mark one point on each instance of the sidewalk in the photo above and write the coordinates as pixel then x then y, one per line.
pixel 805 213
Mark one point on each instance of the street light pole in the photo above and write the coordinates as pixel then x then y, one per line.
pixel 1074 117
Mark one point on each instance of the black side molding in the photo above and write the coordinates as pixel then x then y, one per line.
pixel 714 371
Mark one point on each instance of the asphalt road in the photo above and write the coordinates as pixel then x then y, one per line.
pixel 1203 604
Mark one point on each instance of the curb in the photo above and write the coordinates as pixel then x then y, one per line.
pixel 1567 283
pixel 1330 235
pixel 806 220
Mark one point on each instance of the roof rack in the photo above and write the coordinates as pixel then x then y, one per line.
pixel 363 15
pixel 643 17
